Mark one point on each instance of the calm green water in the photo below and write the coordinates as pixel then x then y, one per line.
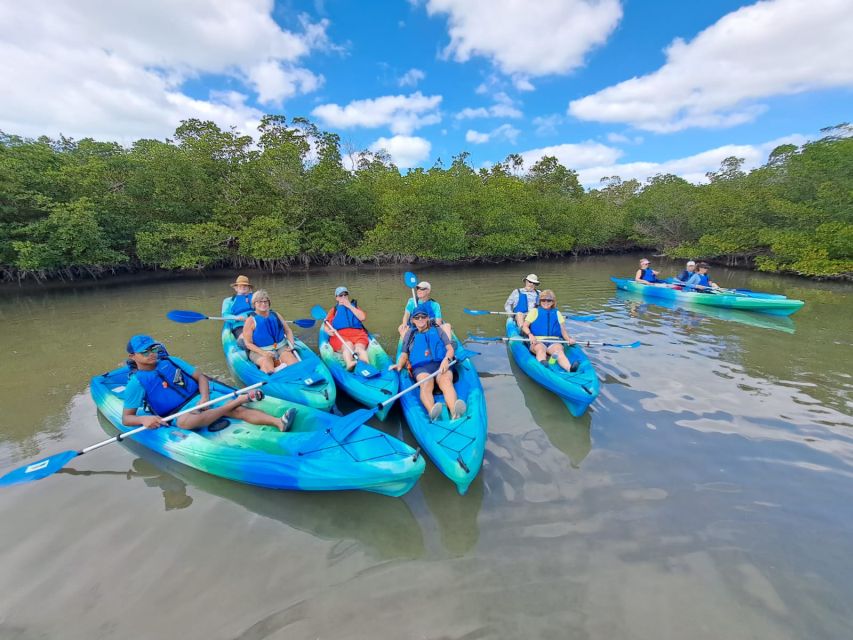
pixel 707 493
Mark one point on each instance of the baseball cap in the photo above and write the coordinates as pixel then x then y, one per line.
pixel 420 310
pixel 423 284
pixel 140 342
pixel 689 262
pixel 341 290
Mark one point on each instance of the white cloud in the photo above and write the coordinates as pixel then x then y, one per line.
pixel 402 114
pixel 621 138
pixel 575 156
pixel 405 151
pixel 527 38
pixel 504 107
pixel 547 125
pixel 119 73
pixel 522 83
pixel 411 78
pixel 771 48
pixel 504 132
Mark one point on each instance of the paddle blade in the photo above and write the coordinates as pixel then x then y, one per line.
pixel 462 353
pixel 185 317
pixel 410 279
pixel 476 312
pixel 38 470
pixel 633 345
pixel 318 312
pixel 305 323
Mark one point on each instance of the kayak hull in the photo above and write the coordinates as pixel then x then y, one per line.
pixel 306 458
pixel 772 306
pixel 576 389
pixel 455 446
pixel 308 382
pixel 368 391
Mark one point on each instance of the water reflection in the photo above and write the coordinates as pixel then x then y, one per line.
pixel 456 515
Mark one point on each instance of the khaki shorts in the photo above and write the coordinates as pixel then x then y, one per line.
pixel 274 353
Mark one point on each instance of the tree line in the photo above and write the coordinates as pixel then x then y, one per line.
pixel 210 197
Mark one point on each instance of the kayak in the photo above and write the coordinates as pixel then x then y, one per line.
pixel 455 446
pixel 577 389
pixel 749 293
pixel 307 382
pixel 307 457
pixel 367 391
pixel 773 306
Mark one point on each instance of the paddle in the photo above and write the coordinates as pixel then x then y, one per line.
pixel 411 281
pixel 50 465
pixel 479 312
pixel 352 421
pixel 189 317
pixel 580 343
pixel 362 368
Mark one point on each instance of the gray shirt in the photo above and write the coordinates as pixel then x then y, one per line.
pixel 510 303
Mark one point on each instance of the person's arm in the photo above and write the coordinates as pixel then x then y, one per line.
pixel 404 353
pixel 358 313
pixel 638 277
pixel 436 309
pixel 134 396
pixel 288 332
pixel 248 328
pixel 510 303
pixel 525 328
pixel 407 314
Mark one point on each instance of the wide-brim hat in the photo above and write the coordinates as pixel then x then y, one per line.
pixel 532 277
pixel 243 280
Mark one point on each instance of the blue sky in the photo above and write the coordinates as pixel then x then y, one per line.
pixel 610 87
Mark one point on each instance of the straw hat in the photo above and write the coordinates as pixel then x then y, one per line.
pixel 243 280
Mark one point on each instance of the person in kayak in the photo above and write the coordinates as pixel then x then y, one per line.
pixel 645 274
pixel 267 337
pixel 241 301
pixel 545 322
pixel 701 281
pixel 689 270
pixel 423 293
pixel 348 319
pixel 164 384
pixel 427 349
pixel 520 301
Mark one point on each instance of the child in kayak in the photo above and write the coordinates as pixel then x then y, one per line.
pixel 701 281
pixel 347 319
pixel 165 384
pixel 267 336
pixel 520 301
pixel 547 322
pixel 428 349
pixel 645 274
pixel 423 293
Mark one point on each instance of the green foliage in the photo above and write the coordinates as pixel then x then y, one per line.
pixel 183 246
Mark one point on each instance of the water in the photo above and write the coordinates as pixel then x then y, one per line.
pixel 705 495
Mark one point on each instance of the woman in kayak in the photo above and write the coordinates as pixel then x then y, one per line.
pixel 241 301
pixel 689 270
pixel 347 319
pixel 520 301
pixel 428 349
pixel 164 384
pixel 545 322
pixel 267 337
pixel 701 281
pixel 645 274
pixel 423 293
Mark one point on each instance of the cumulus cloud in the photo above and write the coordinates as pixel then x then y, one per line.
pixel 575 156
pixel 411 78
pixel 771 48
pixel 401 114
pixel 504 107
pixel 120 73
pixel 405 151
pixel 514 35
pixel 504 132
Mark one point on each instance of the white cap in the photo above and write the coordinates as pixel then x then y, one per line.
pixel 423 284
pixel 532 277
pixel 689 262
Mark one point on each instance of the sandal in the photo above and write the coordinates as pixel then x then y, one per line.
pixel 255 395
pixel 435 412
pixel 287 419
pixel 459 408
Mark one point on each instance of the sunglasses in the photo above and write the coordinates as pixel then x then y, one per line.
pixel 154 348
pixel 420 317
pixel 267 300
pixel 422 288
pixel 547 300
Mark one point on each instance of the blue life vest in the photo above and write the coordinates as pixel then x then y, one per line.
pixel 546 324
pixel 240 304
pixel 699 279
pixel 167 387
pixel 704 280
pixel 346 319
pixel 425 347
pixel 685 275
pixel 648 275
pixel 269 331
pixel 429 305
pixel 522 306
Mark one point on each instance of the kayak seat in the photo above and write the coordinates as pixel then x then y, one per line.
pixel 219 425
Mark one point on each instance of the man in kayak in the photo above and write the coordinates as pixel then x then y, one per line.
pixel 545 322
pixel 428 349
pixel 267 337
pixel 689 270
pixel 423 293
pixel 521 301
pixel 701 281
pixel 241 301
pixel 164 384
pixel 645 274
pixel 347 319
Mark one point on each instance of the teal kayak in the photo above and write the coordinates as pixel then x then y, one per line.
pixel 455 446
pixel 308 457
pixel 308 382
pixel 749 293
pixel 577 389
pixel 773 306
pixel 367 391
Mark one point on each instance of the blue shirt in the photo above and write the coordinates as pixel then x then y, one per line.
pixel 134 392
pixel 436 308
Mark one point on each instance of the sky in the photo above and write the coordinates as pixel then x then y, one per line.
pixel 610 87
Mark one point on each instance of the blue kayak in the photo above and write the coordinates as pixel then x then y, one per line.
pixel 369 391
pixel 749 293
pixel 307 382
pixel 577 389
pixel 455 446
pixel 308 457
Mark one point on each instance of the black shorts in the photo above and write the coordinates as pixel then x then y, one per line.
pixel 429 367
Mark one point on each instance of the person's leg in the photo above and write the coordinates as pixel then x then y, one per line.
pixel 349 361
pixel 209 416
pixel 257 417
pixel 558 352
pixel 445 383
pixel 361 352
pixel 426 390
pixel 287 357
pixel 264 362
pixel 538 350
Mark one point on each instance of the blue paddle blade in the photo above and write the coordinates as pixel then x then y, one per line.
pixel 462 353
pixel 410 279
pixel 305 323
pixel 339 430
pixel 476 312
pixel 38 470
pixel 318 312
pixel 185 317
pixel 633 345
